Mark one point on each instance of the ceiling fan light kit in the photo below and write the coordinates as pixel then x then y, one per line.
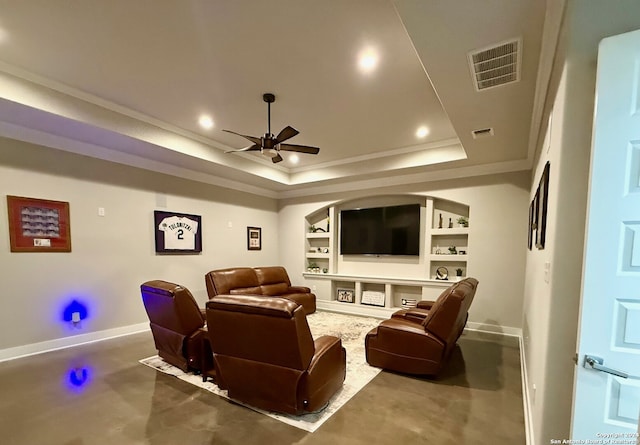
pixel 269 142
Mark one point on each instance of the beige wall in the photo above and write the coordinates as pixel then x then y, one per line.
pixel 550 316
pixel 114 254
pixel 497 241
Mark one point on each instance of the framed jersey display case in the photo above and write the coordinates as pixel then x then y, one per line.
pixel 177 232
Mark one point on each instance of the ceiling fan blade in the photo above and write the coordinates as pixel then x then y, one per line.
pixel 254 147
pixel 300 148
pixel 277 158
pixel 286 133
pixel 251 138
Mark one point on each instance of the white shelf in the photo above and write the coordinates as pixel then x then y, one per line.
pixel 380 280
pixel 436 258
pixel 318 235
pixel 317 255
pixel 452 231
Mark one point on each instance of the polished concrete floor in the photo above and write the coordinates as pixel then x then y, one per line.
pixel 99 394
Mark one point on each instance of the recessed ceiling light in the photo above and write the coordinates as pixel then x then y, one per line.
pixel 205 122
pixel 368 60
pixel 422 132
pixel 294 159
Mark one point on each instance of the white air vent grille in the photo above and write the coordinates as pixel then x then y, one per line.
pixel 484 132
pixel 496 65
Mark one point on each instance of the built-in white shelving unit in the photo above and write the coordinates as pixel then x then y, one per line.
pixel 442 247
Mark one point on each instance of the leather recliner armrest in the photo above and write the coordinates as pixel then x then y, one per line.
pixel 415 315
pixel 425 304
pixel 405 338
pixel 326 372
pixel 299 290
pixel 327 353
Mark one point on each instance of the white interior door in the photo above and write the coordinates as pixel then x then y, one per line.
pixel 610 310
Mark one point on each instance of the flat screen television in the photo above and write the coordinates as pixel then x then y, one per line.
pixel 393 230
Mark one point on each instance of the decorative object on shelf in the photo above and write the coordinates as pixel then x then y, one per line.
pixel 408 303
pixel 325 250
pixel 463 221
pixel 450 224
pixel 312 250
pixel 462 252
pixel 313 268
pixel 442 273
pixel 254 238
pixel 373 298
pixel 325 270
pixel 438 251
pixel 319 249
pixel 542 198
pixel 177 232
pixel 440 221
pixel 458 272
pixel 38 225
pixel 312 228
pixel 452 250
pixel 345 295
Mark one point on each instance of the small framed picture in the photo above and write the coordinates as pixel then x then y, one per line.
pixel 38 225
pixel 345 295
pixel 254 238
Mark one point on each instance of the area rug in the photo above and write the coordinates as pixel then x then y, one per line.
pixel 351 329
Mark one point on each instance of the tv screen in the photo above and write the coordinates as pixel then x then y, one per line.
pixel 391 230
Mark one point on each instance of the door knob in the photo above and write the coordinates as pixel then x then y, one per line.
pixel 593 362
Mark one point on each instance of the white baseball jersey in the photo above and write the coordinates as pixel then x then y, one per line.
pixel 179 232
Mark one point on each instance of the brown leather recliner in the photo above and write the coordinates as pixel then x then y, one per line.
pixel 265 355
pixel 269 281
pixel 177 325
pixel 420 341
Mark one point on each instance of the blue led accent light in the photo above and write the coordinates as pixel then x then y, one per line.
pixel 73 307
pixel 77 379
pixel 78 376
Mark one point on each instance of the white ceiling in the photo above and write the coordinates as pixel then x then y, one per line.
pixel 127 81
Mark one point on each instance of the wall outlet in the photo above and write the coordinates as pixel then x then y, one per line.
pixel 100 211
pixel 547 272
pixel 533 394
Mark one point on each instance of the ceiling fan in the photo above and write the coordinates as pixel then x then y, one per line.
pixel 271 143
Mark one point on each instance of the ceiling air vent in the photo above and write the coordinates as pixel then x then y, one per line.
pixel 496 65
pixel 485 132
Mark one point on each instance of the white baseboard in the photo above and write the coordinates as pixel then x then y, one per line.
pixel 67 342
pixel 526 398
pixel 494 329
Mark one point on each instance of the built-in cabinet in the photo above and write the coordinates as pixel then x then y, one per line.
pixel 448 231
pixel 445 247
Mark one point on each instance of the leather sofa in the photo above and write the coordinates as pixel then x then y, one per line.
pixel 177 325
pixel 272 281
pixel 265 355
pixel 419 341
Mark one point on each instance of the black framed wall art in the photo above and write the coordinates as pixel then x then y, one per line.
pixel 254 238
pixel 177 232
pixel 543 198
